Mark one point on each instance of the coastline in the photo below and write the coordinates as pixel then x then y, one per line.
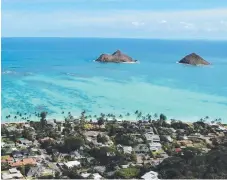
pixel 130 118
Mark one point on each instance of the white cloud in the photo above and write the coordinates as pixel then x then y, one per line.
pixel 188 26
pixel 110 22
pixel 163 21
pixel 136 23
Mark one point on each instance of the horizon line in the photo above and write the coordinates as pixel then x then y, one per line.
pixel 139 38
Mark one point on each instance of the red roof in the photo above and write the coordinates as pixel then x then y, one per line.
pixel 178 149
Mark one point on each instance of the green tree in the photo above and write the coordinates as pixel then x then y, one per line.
pixel 155 115
pixel 73 143
pixel 163 117
pixel 15 135
pixel 125 139
pixel 102 139
pixel 101 121
pixel 4 166
pixel 128 173
pixel 57 175
pixel 133 157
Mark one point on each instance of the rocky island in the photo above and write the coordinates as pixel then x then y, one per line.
pixel 194 59
pixel 116 57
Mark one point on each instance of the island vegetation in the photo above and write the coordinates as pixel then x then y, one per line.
pixel 116 57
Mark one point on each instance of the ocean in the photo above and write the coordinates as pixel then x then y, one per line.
pixel 58 74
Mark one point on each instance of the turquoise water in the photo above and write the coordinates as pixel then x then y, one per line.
pixel 58 74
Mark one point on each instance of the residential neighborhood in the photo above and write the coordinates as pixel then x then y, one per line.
pixel 81 148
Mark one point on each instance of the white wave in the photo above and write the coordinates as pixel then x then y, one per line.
pixel 137 62
pixel 9 72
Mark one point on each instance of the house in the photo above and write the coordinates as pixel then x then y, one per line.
pixel 91 176
pixel 193 136
pixel 170 130
pixel 178 150
pixel 23 162
pixel 100 169
pixel 35 171
pixel 46 139
pixel 124 149
pixel 25 152
pixel 150 175
pixel 90 159
pixel 127 149
pixel 71 164
pixel 51 123
pixel 152 138
pixel 85 175
pixel 76 155
pixel 12 174
pixel 96 176
pixel 149 130
pixel 166 138
pixel 169 138
pixel 148 137
pixel 180 131
pixel 141 148
pixel 155 146
pixel 17 154
pixel 184 137
pixel 3 144
pixel 39 171
pixel 184 142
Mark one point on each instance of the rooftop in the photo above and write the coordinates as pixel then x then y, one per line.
pixel 70 164
pixel 23 162
pixel 150 175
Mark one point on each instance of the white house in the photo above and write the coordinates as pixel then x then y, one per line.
pixel 3 144
pixel 71 164
pixel 152 138
pixel 95 176
pixel 125 149
pixel 12 174
pixel 155 146
pixel 141 148
pixel 150 175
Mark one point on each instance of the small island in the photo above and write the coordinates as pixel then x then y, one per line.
pixel 194 59
pixel 116 57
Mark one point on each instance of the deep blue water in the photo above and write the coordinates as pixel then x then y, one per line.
pixel 58 74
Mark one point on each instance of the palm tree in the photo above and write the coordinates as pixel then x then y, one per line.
pixel 219 120
pixel 155 115
pixel 202 120
pixel 43 119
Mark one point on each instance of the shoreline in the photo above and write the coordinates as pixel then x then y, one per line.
pixel 124 118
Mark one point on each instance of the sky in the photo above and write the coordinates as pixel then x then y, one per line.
pixel 159 19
